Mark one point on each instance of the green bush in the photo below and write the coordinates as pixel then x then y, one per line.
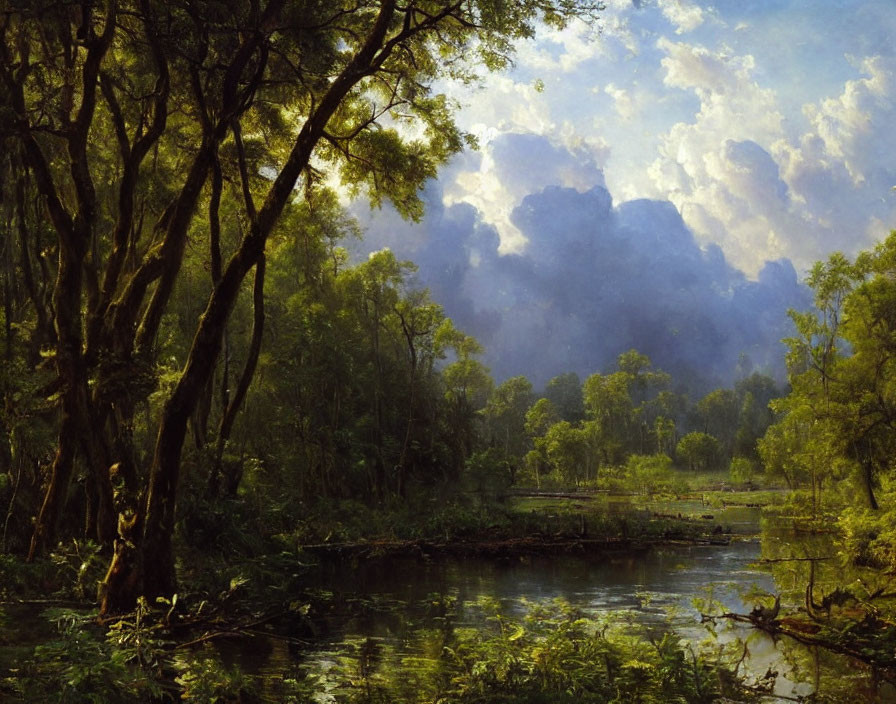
pixel 552 654
pixel 742 470
pixel 651 474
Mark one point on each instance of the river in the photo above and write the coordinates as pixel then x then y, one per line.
pixel 388 602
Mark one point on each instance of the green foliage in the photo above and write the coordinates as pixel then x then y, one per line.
pixel 718 414
pixel 868 538
pixel 71 571
pixel 623 407
pixel 835 429
pixel 700 451
pixel 205 679
pixel 489 472
pixel 81 666
pixel 506 415
pixel 566 449
pixel 564 392
pixel 650 474
pixel 132 662
pixel 553 653
pixel 742 470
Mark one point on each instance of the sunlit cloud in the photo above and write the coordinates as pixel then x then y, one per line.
pixel 685 16
pixel 752 121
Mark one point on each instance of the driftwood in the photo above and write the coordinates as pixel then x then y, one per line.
pixel 228 630
pixel 814 633
pixel 501 548
pixel 530 545
pixel 525 494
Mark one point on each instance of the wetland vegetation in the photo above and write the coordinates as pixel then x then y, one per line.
pixel 303 485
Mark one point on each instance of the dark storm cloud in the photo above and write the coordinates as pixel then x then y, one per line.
pixel 593 281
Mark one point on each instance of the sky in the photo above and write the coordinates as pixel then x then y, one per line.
pixel 664 181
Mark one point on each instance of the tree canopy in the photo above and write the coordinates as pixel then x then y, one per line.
pixel 137 133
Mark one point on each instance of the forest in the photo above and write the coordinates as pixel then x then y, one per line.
pixel 221 435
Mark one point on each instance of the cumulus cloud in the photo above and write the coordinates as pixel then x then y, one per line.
pixel 846 125
pixel 623 101
pixel 495 190
pixel 713 149
pixel 714 168
pixel 593 279
pixel 561 50
pixel 684 15
pixel 740 180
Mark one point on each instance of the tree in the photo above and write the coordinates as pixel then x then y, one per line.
pixel 539 419
pixel 650 473
pixel 566 449
pixel 505 415
pixel 718 414
pixel 700 450
pixel 565 392
pixel 755 393
pixel 624 405
pixel 235 108
pixel 826 395
pixel 609 406
pixel 841 368
pixel 467 388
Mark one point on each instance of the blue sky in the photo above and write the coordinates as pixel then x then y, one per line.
pixel 768 124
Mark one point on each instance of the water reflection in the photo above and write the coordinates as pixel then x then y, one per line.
pixel 393 606
pixel 651 583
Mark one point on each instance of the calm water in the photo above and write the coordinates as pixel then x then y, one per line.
pixel 387 603
pixel 650 583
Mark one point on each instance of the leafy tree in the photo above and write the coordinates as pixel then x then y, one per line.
pixel 699 450
pixel 566 449
pixel 827 382
pixel 742 470
pixel 467 389
pixel 624 405
pixel 650 473
pixel 610 407
pixel 664 430
pixel 718 414
pixel 539 419
pixel 837 421
pixel 145 127
pixel 506 415
pixel 565 392
pixel 755 393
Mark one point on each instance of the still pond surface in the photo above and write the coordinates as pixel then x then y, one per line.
pixel 388 604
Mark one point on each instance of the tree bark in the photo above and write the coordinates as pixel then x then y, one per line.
pixel 868 484
pixel 157 559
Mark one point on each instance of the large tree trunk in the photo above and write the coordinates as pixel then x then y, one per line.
pixel 75 235
pixel 47 523
pixel 231 482
pixel 155 560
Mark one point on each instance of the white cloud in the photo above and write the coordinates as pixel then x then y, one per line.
pixel 706 72
pixel 740 181
pixel 622 101
pixel 840 170
pixel 502 104
pixel 684 15
pixel 515 165
pixel 714 168
pixel 560 50
pixel 850 124
pixel 706 125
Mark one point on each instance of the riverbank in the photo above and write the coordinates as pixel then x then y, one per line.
pixel 375 618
